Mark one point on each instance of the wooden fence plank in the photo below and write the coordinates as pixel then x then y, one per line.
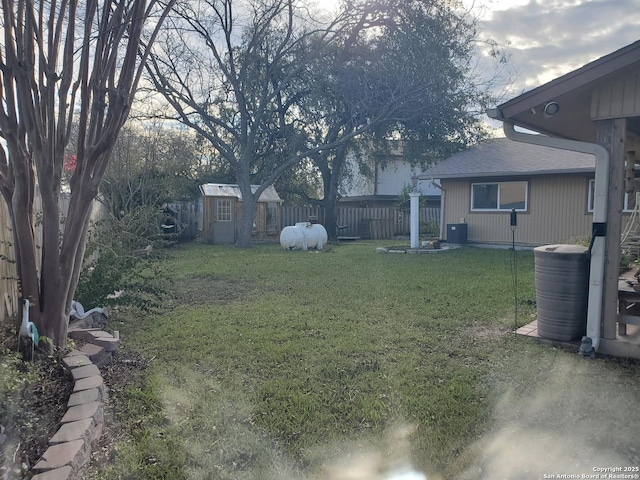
pixel 375 223
pixel 185 216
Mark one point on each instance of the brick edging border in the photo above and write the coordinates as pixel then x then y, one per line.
pixel 70 448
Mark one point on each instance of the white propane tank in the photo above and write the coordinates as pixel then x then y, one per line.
pixel 302 236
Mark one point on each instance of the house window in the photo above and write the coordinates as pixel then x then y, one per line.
pixel 499 196
pixel 223 210
pixel 629 200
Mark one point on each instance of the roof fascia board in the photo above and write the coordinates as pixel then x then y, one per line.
pixel 575 171
pixel 582 77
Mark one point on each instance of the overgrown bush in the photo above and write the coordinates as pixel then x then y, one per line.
pixel 123 261
pixel 430 228
pixel 403 201
pixel 628 258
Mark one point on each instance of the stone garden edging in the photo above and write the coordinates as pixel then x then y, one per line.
pixel 70 448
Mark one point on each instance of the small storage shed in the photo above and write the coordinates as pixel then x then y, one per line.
pixel 221 210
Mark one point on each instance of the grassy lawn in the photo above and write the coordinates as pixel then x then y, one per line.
pixel 267 364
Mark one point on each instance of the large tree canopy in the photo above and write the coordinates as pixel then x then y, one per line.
pixel 63 62
pixel 235 71
pixel 405 69
pixel 270 87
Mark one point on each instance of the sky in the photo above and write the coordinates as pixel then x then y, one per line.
pixel 548 38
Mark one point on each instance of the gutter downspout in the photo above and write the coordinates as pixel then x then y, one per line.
pixel 442 192
pixel 597 248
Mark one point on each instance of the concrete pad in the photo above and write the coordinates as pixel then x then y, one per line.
pixel 95 381
pixel 83 334
pixel 91 349
pixel 97 354
pixel 100 334
pixel 74 352
pixel 109 344
pixel 73 361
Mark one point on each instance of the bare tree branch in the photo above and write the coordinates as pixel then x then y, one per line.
pixel 63 61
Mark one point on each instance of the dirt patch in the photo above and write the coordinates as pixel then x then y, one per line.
pixel 481 330
pixel 32 415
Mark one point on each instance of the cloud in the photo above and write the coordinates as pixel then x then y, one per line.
pixel 548 38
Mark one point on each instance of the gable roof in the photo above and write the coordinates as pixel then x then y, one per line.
pixel 502 157
pixel 233 190
pixel 572 93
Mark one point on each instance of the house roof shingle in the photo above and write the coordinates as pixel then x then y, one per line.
pixel 502 157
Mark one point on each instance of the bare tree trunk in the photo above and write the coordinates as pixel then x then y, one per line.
pixel 21 206
pixel 330 205
pixel 330 179
pixel 249 207
pixel 245 231
pixel 57 62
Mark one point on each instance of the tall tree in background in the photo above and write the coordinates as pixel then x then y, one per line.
pixel 151 165
pixel 234 71
pixel 403 68
pixel 62 62
pixel 271 87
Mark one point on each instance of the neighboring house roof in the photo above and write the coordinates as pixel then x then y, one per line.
pixel 233 190
pixel 503 157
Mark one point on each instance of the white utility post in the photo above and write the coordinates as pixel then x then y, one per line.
pixel 414 226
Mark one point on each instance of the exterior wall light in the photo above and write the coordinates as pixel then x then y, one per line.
pixel 551 108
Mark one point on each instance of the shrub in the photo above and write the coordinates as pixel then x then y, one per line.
pixel 403 201
pixel 124 255
pixel 430 228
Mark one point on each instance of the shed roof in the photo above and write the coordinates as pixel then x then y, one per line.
pixel 233 190
pixel 502 157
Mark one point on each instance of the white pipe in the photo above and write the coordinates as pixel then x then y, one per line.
pixel 437 185
pixel 596 276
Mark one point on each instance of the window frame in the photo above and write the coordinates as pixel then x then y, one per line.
pixel 591 194
pixel 498 209
pixel 224 210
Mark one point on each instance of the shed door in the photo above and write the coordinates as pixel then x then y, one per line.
pixel 223 221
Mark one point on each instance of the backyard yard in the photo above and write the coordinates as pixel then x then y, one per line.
pixel 272 364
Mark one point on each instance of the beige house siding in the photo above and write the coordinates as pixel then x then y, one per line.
pixel 556 211
pixel 617 99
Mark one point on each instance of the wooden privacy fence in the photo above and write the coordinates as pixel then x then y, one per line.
pixel 374 223
pixel 8 274
pixel 185 216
